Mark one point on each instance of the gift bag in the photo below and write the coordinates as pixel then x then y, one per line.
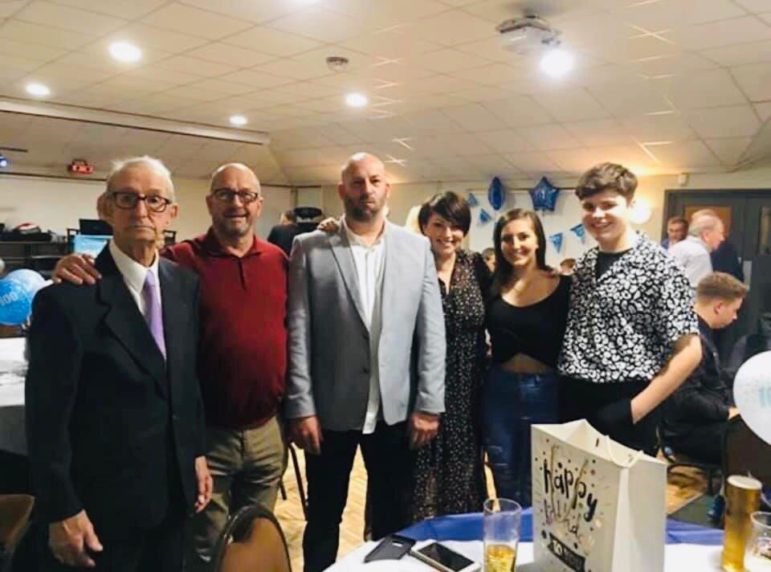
pixel 597 506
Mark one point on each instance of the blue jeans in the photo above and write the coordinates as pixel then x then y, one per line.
pixel 511 403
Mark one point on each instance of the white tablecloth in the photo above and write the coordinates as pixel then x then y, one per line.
pixel 679 558
pixel 12 371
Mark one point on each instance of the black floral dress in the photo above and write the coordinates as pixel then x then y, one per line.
pixel 449 475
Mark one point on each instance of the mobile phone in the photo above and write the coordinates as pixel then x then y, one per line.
pixel 392 547
pixel 442 558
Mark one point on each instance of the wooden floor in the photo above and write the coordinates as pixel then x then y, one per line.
pixel 684 484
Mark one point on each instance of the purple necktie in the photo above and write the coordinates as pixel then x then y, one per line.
pixel 153 315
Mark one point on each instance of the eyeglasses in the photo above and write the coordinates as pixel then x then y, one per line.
pixel 129 201
pixel 228 195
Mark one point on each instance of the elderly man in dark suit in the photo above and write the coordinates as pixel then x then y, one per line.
pixel 114 417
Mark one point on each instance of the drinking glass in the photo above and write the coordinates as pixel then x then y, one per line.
pixel 757 558
pixel 502 519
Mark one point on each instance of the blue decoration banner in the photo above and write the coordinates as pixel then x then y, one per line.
pixel 556 240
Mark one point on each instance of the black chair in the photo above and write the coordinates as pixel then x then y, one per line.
pixel 744 453
pixel 299 478
pixel 675 460
pixel 252 541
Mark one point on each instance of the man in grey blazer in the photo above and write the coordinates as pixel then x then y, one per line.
pixel 366 357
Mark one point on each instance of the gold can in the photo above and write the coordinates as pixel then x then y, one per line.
pixel 742 499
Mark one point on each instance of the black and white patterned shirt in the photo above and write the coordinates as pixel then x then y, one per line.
pixel 623 325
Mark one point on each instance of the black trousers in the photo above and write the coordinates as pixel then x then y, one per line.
pixel 607 407
pixel 158 549
pixel 704 443
pixel 387 458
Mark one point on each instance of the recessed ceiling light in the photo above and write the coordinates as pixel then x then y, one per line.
pixel 125 52
pixel 38 90
pixel 356 100
pixel 238 120
pixel 557 62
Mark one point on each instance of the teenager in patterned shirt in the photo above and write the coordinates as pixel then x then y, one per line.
pixel 632 334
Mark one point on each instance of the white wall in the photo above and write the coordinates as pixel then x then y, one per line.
pixel 57 204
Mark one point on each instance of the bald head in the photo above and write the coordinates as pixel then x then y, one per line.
pixel 230 168
pixel 364 188
pixel 358 159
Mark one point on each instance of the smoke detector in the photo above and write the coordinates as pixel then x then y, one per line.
pixel 337 63
pixel 528 34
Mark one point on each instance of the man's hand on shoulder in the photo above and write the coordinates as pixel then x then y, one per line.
pixel 423 427
pixel 76 269
pixel 306 433
pixel 69 540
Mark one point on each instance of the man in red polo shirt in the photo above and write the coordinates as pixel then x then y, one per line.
pixel 242 359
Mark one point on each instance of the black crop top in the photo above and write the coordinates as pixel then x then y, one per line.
pixel 536 330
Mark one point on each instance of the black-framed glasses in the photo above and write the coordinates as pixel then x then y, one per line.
pixel 129 201
pixel 229 195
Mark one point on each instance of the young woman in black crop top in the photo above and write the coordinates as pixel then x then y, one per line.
pixel 526 318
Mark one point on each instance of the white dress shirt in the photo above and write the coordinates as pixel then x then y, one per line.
pixel 134 275
pixel 370 261
pixel 692 254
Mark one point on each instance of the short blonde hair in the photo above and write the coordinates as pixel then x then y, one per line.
pixel 607 177
pixel 721 286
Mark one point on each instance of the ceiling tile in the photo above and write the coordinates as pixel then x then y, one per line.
pixel 271 41
pixel 491 49
pixel 454 27
pixel 550 137
pixel 189 20
pixel 256 11
pixel 684 155
pixel 128 10
pixel 295 69
pixel 624 99
pixel 519 112
pixel 532 162
pixel 496 11
pixel 763 110
pixel 256 79
pixel 226 88
pixel 668 127
pixel 494 74
pixel 319 24
pixel 507 141
pixel 447 61
pixel 670 14
pixel 381 15
pixel 30 51
pixel 58 16
pixel 153 38
pixel 755 81
pixel 675 64
pixel 739 121
pixel 45 35
pixel 390 43
pixel 702 89
pixel 729 151
pixel 573 105
pixel 740 54
pixel 195 66
pixel 17 62
pixel 755 6
pixel 600 133
pixel 230 55
pixel 10 7
pixel 722 33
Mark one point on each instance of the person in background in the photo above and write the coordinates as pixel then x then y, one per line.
pixel 677 230
pixel 488 255
pixel 449 475
pixel 705 233
pixel 115 425
pixel 749 346
pixel 526 318
pixel 243 350
pixel 282 235
pixel 696 415
pixel 567 266
pixel 632 334
pixel 367 358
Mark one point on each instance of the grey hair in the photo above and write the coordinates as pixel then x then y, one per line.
pixel 155 165
pixel 702 221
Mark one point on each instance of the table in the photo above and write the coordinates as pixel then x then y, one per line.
pixel 689 547
pixel 13 368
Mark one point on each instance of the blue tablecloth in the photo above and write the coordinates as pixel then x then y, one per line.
pixel 469 527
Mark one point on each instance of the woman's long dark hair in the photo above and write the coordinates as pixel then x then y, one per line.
pixel 503 270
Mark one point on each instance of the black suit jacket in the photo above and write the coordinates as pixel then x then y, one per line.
pixel 282 235
pixel 111 427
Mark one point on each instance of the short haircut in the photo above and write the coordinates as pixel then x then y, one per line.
pixel 569 262
pixel 155 165
pixel 447 205
pixel 702 221
pixel 678 220
pixel 290 215
pixel 488 252
pixel 607 177
pixel 720 286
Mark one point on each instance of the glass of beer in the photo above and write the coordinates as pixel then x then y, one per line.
pixel 742 499
pixel 502 518
pixel 757 557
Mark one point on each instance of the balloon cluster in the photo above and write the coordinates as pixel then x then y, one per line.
pixel 17 291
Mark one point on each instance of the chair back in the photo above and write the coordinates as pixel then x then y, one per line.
pixel 744 453
pixel 252 541
pixel 15 511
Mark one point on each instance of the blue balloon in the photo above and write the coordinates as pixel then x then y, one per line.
pixel 496 194
pixel 544 195
pixel 15 303
pixel 29 278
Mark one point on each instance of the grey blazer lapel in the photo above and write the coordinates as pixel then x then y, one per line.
pixel 341 250
pixel 390 274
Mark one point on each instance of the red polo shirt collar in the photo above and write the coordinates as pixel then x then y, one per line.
pixel 213 247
